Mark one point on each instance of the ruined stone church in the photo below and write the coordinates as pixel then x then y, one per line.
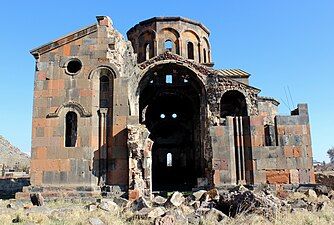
pixel 151 113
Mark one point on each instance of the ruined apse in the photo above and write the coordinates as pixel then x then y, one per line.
pixel 151 113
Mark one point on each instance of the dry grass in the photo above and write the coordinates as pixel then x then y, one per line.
pixel 65 213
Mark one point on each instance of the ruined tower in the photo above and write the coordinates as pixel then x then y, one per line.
pixel 153 114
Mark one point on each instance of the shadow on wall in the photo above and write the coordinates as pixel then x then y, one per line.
pixel 10 186
pixel 109 165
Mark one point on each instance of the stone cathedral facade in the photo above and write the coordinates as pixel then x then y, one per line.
pixel 151 113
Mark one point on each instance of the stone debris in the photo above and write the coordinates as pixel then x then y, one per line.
pixel 196 196
pixel 182 209
pixel 37 199
pixel 158 200
pixel 311 194
pixel 156 212
pixel 95 221
pixel 165 220
pixel 108 205
pixel 150 213
pixel 176 199
pixel 139 204
pixel 325 179
pixel 91 207
pixel 121 202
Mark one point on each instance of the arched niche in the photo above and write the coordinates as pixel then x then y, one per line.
pixel 146 45
pixel 206 58
pixel 233 103
pixel 189 36
pixel 169 34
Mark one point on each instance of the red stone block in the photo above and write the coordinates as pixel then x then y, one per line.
pixel 277 177
pixel 216 177
pixel 219 132
pixel 134 194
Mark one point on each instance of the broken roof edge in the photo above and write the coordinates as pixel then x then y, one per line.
pixel 63 40
pixel 269 99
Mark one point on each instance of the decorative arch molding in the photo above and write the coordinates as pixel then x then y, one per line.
pixel 206 41
pixel 175 32
pixel 168 57
pixel 111 67
pixel 192 32
pixel 148 31
pixel 73 106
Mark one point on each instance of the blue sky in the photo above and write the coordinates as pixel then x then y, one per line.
pixel 281 43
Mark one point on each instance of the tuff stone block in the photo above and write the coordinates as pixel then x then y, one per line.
pixel 277 177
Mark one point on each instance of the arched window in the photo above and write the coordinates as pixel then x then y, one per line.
pixel 104 92
pixel 168 45
pixel 71 129
pixel 169 160
pixel 147 51
pixel 190 49
pixel 204 55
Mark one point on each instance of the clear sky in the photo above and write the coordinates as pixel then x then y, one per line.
pixel 281 43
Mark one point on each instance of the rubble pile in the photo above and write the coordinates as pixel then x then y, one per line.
pixel 196 208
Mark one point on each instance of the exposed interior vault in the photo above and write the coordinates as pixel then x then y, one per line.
pixel 170 107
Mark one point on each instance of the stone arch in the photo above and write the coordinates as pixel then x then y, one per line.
pixel 146 38
pixel 142 74
pixel 206 51
pixel 111 67
pixel 71 106
pixel 169 34
pixel 190 36
pixel 233 103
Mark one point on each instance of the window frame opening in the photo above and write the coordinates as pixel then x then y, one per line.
pixel 169 79
pixel 71 129
pixel 73 66
pixel 147 51
pixel 169 159
pixel 168 45
pixel 190 50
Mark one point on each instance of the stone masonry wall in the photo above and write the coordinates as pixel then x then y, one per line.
pixel 290 159
pixel 57 91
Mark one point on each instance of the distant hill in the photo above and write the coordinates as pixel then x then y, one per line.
pixel 11 156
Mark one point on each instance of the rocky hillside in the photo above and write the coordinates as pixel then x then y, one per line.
pixel 11 156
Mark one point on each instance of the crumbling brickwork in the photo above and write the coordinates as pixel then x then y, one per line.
pixel 153 114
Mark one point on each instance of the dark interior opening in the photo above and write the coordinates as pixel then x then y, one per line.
pixel 71 129
pixel 74 66
pixel 204 55
pixel 190 48
pixel 170 108
pixel 233 103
